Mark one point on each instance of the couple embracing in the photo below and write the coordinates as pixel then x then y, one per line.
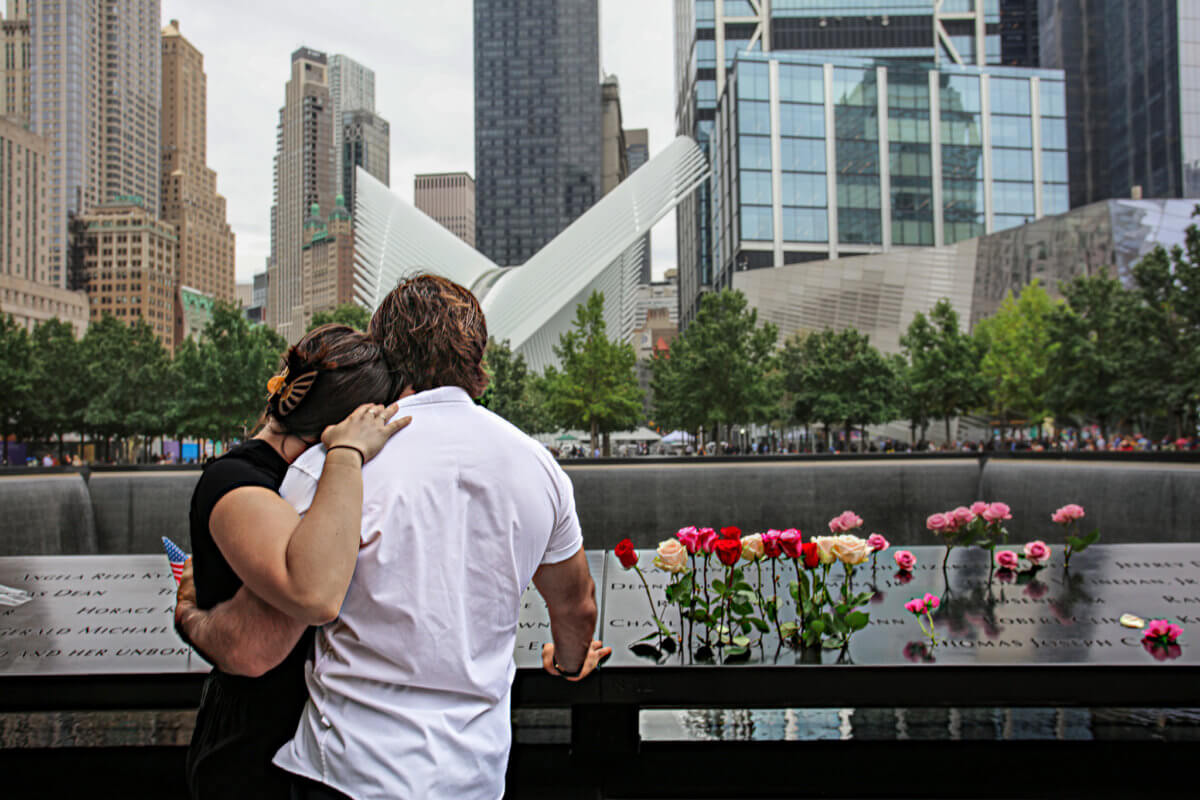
pixel 394 684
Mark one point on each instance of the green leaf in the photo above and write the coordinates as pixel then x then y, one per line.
pixel 664 630
pixel 741 641
pixel 788 628
pixel 1076 543
pixel 742 608
pixel 1091 538
pixel 817 626
pixel 742 586
pixel 857 620
pixel 719 587
pixel 735 651
pixel 762 626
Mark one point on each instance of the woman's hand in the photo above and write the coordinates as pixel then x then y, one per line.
pixel 366 429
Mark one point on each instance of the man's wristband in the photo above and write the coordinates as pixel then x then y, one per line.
pixel 329 450
pixel 564 673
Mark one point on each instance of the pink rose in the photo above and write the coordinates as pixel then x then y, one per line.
pixel 997 512
pixel 707 537
pixel 877 543
pixel 1037 552
pixel 689 537
pixel 1156 628
pixel 916 606
pixel 932 601
pixel 1007 559
pixel 938 523
pixel 978 507
pixel 1068 514
pixel 1173 632
pixel 963 516
pixel 789 540
pixel 845 522
pixel 905 560
pixel 771 545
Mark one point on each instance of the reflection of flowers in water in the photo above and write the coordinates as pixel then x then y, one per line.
pixel 919 652
pixel 877 596
pixel 1162 652
pixel 1063 606
pixel 975 610
pixel 1005 575
pixel 902 577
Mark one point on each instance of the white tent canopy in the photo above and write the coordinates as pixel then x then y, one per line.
pixel 677 437
pixel 642 434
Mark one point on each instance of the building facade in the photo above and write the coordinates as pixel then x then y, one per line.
pixel 614 161
pixel 328 258
pixel 129 265
pixel 15 61
pixel 1133 94
pixel 204 255
pixel 710 33
pixel 816 157
pixel 193 312
pixel 303 176
pixel 366 143
pixel 448 197
pixel 94 94
pixel 352 88
pixel 23 157
pixel 537 122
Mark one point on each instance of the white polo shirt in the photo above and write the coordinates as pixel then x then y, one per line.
pixel 409 687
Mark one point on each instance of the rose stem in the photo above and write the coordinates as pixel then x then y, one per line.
pixel 653 610
pixel 729 601
pixel 707 605
pixel 799 600
pixel 775 597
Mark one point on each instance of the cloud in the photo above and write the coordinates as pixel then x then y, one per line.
pixel 422 54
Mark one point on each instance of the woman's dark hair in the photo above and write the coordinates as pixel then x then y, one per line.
pixel 335 369
pixel 432 333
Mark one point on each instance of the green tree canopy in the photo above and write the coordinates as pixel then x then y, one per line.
pixel 351 314
pixel 16 399
pixel 60 397
pixel 511 391
pixel 1016 361
pixel 721 370
pixel 839 377
pixel 943 375
pixel 596 389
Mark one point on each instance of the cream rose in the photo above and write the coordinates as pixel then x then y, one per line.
pixel 851 549
pixel 752 547
pixel 671 556
pixel 825 548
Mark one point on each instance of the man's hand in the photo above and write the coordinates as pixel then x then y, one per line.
pixel 597 652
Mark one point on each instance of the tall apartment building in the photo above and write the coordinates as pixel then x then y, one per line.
pixel 94 94
pixel 366 143
pixel 204 256
pixel 15 61
pixel 709 35
pixel 129 264
pixel 1133 94
pixel 303 176
pixel 352 88
pixel 449 198
pixel 537 121
pixel 24 293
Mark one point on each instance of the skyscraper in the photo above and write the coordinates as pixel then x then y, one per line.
pixel 1133 94
pixel 614 162
pixel 366 143
pixel 352 88
pixel 15 62
pixel 637 152
pixel 448 197
pixel 537 121
pixel 204 255
pixel 94 94
pixel 303 176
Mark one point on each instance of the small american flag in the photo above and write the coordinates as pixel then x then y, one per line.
pixel 176 556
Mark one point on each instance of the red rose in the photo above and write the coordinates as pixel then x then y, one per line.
pixel 728 550
pixel 625 553
pixel 731 533
pixel 812 556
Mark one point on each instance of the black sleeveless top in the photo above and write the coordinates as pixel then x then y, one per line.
pixel 242 721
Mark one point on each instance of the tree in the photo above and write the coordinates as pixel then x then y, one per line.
pixel 596 388
pixel 511 391
pixel 944 375
pixel 16 399
pixel 351 314
pixel 61 397
pixel 1093 354
pixel 1016 361
pixel 839 377
pixel 721 370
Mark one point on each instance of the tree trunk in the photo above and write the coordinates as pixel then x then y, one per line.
pixel 61 454
pixel 5 434
pixel 606 450
pixel 595 438
pixel 947 430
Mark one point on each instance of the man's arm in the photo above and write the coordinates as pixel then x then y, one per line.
pixel 242 636
pixel 570 595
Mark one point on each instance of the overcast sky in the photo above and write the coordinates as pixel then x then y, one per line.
pixel 422 56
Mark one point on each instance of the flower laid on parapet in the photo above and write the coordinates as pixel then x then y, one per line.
pixel 1069 516
pixel 905 560
pixel 982 524
pixel 628 558
pixel 878 544
pixel 922 608
pixel 1161 639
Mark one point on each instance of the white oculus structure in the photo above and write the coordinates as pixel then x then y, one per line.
pixel 532 304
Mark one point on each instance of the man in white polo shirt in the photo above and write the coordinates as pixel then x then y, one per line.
pixel 409 687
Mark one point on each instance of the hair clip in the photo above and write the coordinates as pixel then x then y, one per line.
pixel 276 382
pixel 294 392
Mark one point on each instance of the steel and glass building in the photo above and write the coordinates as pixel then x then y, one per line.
pixel 537 122
pixel 817 157
pixel 710 33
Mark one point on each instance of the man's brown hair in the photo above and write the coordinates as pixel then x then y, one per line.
pixel 432 333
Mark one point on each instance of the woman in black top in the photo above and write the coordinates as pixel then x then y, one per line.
pixel 333 375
